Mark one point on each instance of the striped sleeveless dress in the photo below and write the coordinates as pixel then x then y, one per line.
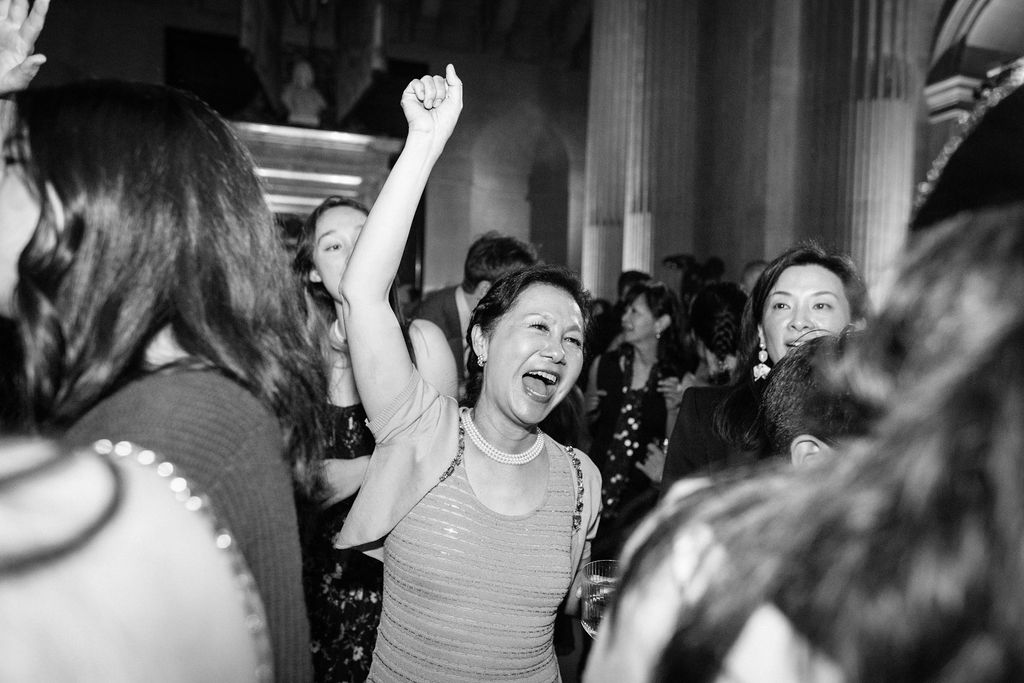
pixel 471 594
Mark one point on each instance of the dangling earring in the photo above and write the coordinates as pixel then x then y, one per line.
pixel 761 370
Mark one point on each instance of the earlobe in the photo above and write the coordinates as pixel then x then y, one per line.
pixel 314 276
pixel 806 450
pixel 479 340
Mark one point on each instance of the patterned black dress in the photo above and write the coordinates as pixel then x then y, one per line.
pixel 343 587
pixel 628 420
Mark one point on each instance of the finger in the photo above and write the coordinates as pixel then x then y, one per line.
pixel 415 88
pixel 454 85
pixel 452 77
pixel 19 8
pixel 431 85
pixel 442 90
pixel 20 76
pixel 33 25
pixel 430 92
pixel 5 6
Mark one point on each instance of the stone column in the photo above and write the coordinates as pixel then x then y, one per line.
pixel 640 137
pixel 863 92
pixel 612 65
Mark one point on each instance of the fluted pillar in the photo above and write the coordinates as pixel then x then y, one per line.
pixel 863 92
pixel 613 62
pixel 640 137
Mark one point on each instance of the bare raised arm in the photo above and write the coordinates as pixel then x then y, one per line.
pixel 380 360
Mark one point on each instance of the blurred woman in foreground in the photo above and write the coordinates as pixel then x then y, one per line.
pixel 146 293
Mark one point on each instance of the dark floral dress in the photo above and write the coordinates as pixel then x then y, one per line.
pixel 343 587
pixel 628 447
pixel 628 420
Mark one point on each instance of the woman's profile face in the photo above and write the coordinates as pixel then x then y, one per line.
pixel 336 232
pixel 19 215
pixel 638 322
pixel 534 353
pixel 806 301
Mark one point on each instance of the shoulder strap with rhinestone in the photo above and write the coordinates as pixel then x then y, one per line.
pixel 458 455
pixel 577 515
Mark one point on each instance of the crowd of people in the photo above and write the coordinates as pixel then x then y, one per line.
pixel 234 455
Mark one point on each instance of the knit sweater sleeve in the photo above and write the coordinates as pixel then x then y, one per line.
pixel 226 441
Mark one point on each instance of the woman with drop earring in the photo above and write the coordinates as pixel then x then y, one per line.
pixel 805 292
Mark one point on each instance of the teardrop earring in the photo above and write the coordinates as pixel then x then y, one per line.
pixel 761 370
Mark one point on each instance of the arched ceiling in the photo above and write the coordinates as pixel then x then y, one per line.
pixel 976 36
pixel 999 28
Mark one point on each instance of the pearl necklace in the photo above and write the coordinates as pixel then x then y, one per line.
pixel 497 455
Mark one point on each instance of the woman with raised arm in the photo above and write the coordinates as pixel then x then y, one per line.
pixel 485 534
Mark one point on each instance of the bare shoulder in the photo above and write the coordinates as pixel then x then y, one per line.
pixel 429 343
pixel 433 356
pixel 426 333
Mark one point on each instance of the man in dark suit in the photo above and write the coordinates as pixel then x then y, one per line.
pixel 490 256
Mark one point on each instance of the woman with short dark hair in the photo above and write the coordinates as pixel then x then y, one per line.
pixel 487 519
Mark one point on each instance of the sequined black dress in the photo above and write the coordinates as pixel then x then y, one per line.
pixel 343 587
pixel 629 419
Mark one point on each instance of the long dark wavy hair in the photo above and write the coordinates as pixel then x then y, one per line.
pixel 502 296
pixel 159 222
pixel 737 417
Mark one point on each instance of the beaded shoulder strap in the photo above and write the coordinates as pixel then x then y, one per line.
pixel 966 124
pixel 185 492
pixel 577 515
pixel 458 455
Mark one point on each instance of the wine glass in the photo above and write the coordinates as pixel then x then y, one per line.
pixel 600 579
